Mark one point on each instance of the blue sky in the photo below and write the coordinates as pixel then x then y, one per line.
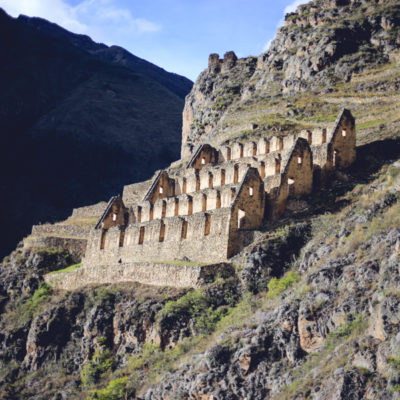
pixel 177 35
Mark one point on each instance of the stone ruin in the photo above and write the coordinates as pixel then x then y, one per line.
pixel 208 211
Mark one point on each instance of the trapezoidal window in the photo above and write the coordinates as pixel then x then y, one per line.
pixel 236 174
pixel 204 203
pixel 210 180
pixel 262 170
pixel 197 182
pixel 280 144
pixel 241 219
pixel 139 214
pixel 309 138
pixel 176 211
pixel 241 151
pixel 277 166
pixel 218 202
pixel 184 186
pixel 254 149
pixel 151 212
pixel 164 209
pixel 184 230
pixel 141 235
pixel 222 177
pixel 121 238
pixel 207 225
pixel 190 206
pixel 103 239
pixel 228 154
pixel 323 136
pixel 266 147
pixel 162 232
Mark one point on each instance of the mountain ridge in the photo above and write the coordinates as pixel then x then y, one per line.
pixel 101 113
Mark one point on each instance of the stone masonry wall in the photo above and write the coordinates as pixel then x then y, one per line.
pixel 198 237
pixel 71 231
pixel 159 274
pixel 89 211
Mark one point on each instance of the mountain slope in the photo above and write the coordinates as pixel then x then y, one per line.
pixel 328 54
pixel 74 126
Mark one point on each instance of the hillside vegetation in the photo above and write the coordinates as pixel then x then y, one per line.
pixel 310 309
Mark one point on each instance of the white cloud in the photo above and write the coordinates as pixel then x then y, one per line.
pixel 266 45
pixel 290 8
pixel 103 20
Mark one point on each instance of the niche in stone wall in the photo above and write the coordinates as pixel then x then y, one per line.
pixel 309 137
pixel 323 135
pixel 162 232
pixel 164 209
pixel 262 170
pixel 184 186
pixel 222 177
pixel 280 143
pixel 236 174
pixel 190 206
pixel 240 150
pixel 139 214
pixel 197 181
pixel 176 211
pixel 103 239
pixel 184 230
pixel 207 226
pixel 210 180
pixel 254 149
pixel 204 203
pixel 277 166
pixel 151 212
pixel 141 235
pixel 228 154
pixel 218 202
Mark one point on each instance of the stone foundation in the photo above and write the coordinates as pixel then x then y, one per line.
pixel 159 274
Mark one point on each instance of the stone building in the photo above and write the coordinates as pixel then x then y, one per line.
pixel 207 211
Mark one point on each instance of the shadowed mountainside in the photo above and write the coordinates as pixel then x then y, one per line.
pixel 77 121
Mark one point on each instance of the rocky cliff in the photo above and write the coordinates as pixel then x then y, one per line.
pixel 311 308
pixel 78 120
pixel 326 54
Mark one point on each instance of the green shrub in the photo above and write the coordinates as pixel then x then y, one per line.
pixel 32 305
pixel 193 305
pixel 100 364
pixel 116 389
pixel 277 286
pixel 68 269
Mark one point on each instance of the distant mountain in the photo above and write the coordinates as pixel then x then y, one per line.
pixel 77 121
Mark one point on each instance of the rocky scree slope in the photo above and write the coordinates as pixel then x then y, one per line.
pixel 78 120
pixel 329 54
pixel 320 321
